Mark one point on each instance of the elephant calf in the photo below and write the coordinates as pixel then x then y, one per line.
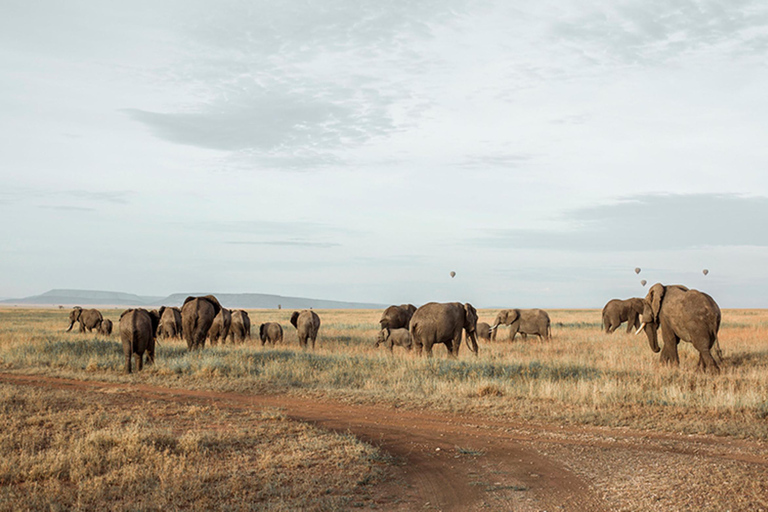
pixel 307 323
pixel 106 327
pixel 391 337
pixel 220 327
pixel 270 332
pixel 483 331
pixel 240 328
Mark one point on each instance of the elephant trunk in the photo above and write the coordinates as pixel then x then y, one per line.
pixel 71 324
pixel 650 331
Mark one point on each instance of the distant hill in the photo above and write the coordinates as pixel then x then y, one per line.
pixel 228 300
pixel 90 297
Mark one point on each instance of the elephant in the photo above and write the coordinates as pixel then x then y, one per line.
pixel 483 331
pixel 170 322
pixel 220 327
pixel 391 337
pixel 240 328
pixel 443 323
pixel 682 314
pixel 138 329
pixel 87 318
pixel 396 317
pixel 106 327
pixel 197 314
pixel 307 324
pixel 271 332
pixel 617 311
pixel 524 321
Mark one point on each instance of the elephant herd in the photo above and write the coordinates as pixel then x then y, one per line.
pixel 197 320
pixel 681 313
pixel 443 323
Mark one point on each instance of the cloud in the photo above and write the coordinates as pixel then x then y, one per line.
pixel 289 243
pixel 65 208
pixel 648 222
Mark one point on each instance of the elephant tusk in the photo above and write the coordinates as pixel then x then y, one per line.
pixel 495 326
pixel 639 329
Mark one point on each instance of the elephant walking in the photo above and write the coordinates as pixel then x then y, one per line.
pixel 397 317
pixel 271 332
pixel 197 316
pixel 483 331
pixel 437 322
pixel 87 318
pixel 240 328
pixel 138 328
pixel 617 311
pixel 106 327
pixel 391 337
pixel 170 323
pixel 307 323
pixel 682 314
pixel 523 321
pixel 220 327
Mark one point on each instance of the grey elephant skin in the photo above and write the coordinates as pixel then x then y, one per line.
pixel 87 318
pixel 397 317
pixel 618 311
pixel 106 327
pixel 307 323
pixel 391 337
pixel 484 331
pixel 170 323
pixel 271 332
pixel 197 316
pixel 436 322
pixel 682 314
pixel 220 327
pixel 523 321
pixel 138 328
pixel 240 328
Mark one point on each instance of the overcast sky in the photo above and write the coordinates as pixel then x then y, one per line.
pixel 361 150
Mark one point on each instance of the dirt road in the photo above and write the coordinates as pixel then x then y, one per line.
pixel 450 462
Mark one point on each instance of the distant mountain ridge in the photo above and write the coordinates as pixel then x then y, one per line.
pixel 228 300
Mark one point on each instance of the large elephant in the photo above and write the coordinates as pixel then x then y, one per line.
pixel 443 323
pixel 523 321
pixel 87 318
pixel 240 328
pixel 170 322
pixel 138 328
pixel 682 314
pixel 396 317
pixel 271 332
pixel 307 323
pixel 220 327
pixel 106 327
pixel 617 311
pixel 197 316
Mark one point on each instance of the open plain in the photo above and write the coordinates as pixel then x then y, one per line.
pixel 586 421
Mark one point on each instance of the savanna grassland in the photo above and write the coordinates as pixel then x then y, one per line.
pixel 581 377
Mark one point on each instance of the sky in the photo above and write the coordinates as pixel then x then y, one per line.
pixel 362 150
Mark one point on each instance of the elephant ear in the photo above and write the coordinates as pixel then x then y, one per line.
pixel 125 313
pixel 654 298
pixel 160 311
pixel 188 299
pixel 317 319
pixel 154 316
pixel 470 317
pixel 294 319
pixel 513 315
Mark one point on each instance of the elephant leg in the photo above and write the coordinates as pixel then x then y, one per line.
pixel 128 363
pixel 512 335
pixel 313 343
pixel 718 352
pixel 151 354
pixel 669 353
pixel 707 362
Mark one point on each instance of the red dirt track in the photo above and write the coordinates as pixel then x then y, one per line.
pixel 451 462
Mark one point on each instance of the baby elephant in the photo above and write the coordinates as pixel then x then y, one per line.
pixel 270 332
pixel 391 337
pixel 106 327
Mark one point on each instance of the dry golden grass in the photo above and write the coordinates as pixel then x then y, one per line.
pixel 61 451
pixel 581 376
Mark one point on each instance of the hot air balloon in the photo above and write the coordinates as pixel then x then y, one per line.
pixel 637 270
pixel 643 282
pixel 705 271
pixel 453 274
